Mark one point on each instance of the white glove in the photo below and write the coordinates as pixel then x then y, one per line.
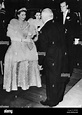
pixel 76 41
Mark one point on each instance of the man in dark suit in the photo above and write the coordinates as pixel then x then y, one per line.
pixel 52 42
pixel 2 23
pixel 2 34
pixel 71 24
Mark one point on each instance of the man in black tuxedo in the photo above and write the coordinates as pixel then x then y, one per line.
pixel 2 23
pixel 70 22
pixel 2 32
pixel 52 42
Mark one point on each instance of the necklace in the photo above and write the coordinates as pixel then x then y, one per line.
pixel 22 24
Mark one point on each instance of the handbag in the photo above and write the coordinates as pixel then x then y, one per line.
pixel 30 45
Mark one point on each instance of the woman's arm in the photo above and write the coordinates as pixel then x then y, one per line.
pixel 10 31
pixel 11 28
pixel 13 31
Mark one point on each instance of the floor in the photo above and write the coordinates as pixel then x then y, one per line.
pixel 73 98
pixel 31 97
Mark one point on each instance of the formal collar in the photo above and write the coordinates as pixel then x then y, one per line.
pixel 65 13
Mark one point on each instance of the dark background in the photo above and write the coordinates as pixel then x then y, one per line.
pixel 10 4
pixel 33 5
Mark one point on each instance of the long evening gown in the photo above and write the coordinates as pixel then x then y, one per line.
pixel 21 67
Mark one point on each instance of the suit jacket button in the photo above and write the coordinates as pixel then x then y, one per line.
pixel 52 42
pixel 52 85
pixel 65 30
pixel 52 64
pixel 65 53
pixel 40 32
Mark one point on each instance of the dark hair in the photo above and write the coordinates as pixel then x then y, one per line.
pixel 17 12
pixel 61 1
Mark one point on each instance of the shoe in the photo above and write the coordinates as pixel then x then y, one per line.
pixel 61 100
pixel 45 103
pixel 48 103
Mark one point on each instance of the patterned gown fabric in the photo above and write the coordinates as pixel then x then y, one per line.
pixel 21 67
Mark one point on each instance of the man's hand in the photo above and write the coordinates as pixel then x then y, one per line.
pixel 42 53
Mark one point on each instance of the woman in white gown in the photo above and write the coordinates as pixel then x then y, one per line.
pixel 21 67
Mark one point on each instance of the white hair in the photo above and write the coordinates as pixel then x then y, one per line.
pixel 47 14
